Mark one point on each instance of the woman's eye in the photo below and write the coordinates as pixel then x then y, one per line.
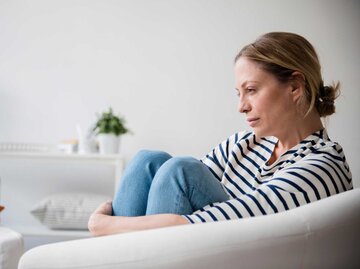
pixel 250 90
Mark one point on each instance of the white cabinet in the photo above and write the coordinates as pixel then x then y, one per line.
pixel 27 177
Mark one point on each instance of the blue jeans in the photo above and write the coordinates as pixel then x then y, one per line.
pixel 155 182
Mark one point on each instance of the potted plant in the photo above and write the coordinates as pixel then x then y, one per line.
pixel 108 129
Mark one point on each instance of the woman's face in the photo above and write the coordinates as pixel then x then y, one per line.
pixel 267 103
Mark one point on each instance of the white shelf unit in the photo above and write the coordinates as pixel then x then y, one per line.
pixel 18 169
pixel 46 232
pixel 117 161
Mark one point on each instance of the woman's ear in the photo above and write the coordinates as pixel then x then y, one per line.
pixel 297 86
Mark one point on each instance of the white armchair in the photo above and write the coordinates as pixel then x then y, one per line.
pixel 324 234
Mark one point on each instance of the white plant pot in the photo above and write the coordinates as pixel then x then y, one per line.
pixel 109 143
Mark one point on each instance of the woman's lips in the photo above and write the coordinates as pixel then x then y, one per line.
pixel 252 121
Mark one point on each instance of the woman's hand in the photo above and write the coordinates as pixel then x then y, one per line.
pixel 99 218
pixel 104 209
pixel 101 222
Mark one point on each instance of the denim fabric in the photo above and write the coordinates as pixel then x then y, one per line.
pixel 155 183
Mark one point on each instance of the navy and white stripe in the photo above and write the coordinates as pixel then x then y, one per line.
pixel 314 169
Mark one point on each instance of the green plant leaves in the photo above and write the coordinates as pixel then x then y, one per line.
pixel 108 123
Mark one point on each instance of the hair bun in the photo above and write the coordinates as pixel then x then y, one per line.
pixel 326 99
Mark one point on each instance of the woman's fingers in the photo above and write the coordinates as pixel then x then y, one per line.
pixel 104 208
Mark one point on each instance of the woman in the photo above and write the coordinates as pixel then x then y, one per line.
pixel 285 162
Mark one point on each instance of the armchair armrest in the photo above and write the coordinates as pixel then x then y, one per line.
pixel 323 234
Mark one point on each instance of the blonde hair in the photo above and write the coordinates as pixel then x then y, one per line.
pixel 281 54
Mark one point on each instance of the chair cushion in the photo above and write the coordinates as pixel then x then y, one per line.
pixel 11 248
pixel 67 210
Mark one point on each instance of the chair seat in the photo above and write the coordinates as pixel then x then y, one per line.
pixel 11 248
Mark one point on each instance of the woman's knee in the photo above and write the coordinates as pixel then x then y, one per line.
pixel 178 169
pixel 151 155
pixel 144 166
pixel 187 163
pixel 171 177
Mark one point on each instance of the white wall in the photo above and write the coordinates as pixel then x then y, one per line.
pixel 164 65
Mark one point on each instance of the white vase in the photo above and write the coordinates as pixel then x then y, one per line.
pixel 109 143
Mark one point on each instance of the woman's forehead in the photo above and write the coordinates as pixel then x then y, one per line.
pixel 249 71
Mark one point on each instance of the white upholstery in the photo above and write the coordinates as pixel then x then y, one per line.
pixel 11 248
pixel 324 234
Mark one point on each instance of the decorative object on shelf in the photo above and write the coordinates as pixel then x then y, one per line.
pixel 25 147
pixel 68 146
pixel 1 206
pixel 108 129
pixel 86 143
pixel 1 209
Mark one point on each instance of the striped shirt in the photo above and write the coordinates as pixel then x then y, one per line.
pixel 314 169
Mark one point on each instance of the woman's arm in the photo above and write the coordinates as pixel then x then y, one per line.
pixel 314 177
pixel 102 223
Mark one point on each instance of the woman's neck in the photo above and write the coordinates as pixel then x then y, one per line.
pixel 294 134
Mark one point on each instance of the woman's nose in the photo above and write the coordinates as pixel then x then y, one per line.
pixel 243 106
